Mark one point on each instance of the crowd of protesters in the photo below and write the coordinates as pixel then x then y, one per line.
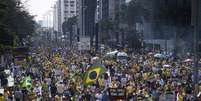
pixel 57 75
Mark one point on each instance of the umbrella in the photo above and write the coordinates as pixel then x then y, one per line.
pixel 158 55
pixel 112 53
pixel 122 54
pixel 95 58
pixel 150 53
pixel 166 65
pixel 188 60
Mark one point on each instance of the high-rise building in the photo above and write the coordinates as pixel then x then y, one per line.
pixel 55 18
pixel 114 8
pixel 87 10
pixel 102 10
pixel 64 9
pixel 161 28
pixel 108 9
pixel 57 25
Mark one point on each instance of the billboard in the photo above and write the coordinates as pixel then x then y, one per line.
pixel 84 43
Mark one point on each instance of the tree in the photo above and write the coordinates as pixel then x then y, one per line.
pixel 178 16
pixel 133 41
pixel 130 15
pixel 134 12
pixel 15 22
pixel 106 25
pixel 67 26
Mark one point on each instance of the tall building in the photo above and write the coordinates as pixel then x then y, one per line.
pixel 87 10
pixel 98 11
pixel 161 28
pixel 111 10
pixel 102 10
pixel 57 24
pixel 55 18
pixel 108 9
pixel 114 8
pixel 64 9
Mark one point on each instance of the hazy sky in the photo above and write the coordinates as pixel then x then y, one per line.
pixel 38 7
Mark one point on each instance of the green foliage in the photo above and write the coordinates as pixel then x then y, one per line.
pixel 67 26
pixel 107 24
pixel 134 12
pixel 15 22
pixel 133 41
pixel 176 13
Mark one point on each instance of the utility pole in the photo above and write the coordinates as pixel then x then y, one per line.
pixel 82 14
pixel 195 23
pixel 96 32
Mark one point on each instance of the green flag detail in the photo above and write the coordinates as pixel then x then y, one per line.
pixel 93 74
pixel 27 83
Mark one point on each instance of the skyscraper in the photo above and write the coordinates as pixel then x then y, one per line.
pixel 64 9
pixel 87 16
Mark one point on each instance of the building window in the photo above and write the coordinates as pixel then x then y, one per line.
pixel 72 2
pixel 66 1
pixel 65 18
pixel 66 11
pixel 72 11
pixel 72 5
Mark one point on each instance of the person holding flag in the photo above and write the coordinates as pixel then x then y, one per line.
pixel 27 83
pixel 93 74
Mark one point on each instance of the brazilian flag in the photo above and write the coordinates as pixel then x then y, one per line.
pixel 93 74
pixel 27 83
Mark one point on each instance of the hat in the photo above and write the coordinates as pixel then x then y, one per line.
pixel 37 85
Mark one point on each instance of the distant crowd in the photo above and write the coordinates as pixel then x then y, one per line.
pixel 59 76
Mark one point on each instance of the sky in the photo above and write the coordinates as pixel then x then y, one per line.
pixel 38 8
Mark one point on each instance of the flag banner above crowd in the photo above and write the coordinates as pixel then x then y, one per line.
pixel 93 74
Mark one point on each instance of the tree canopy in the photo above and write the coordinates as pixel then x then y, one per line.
pixel 67 26
pixel 134 12
pixel 15 23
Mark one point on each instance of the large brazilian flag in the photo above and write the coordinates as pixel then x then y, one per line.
pixel 27 83
pixel 93 74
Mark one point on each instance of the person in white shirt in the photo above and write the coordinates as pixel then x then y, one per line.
pixel 60 88
pixel 99 96
pixel 38 91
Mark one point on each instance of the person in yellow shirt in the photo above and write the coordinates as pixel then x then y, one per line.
pixel 145 76
pixel 145 92
pixel 168 72
pixel 130 89
pixel 180 96
pixel 32 95
pixel 2 98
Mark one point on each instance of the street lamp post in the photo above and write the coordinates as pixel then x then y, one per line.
pixel 195 23
pixel 83 8
pixel 139 29
pixel 123 28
